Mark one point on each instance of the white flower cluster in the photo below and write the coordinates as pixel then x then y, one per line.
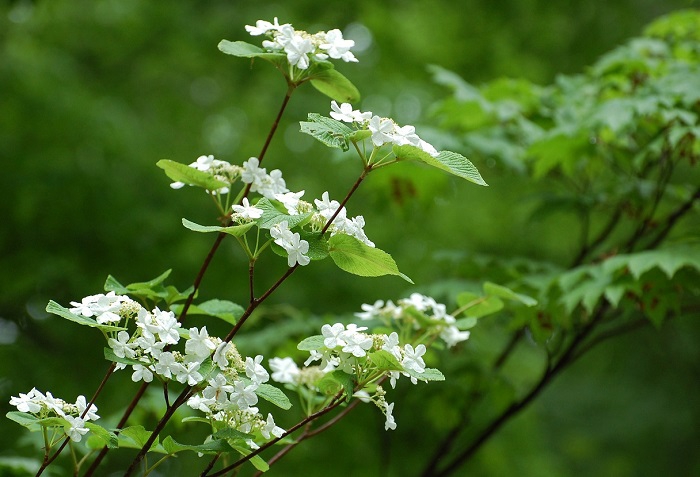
pixel 384 130
pixel 229 383
pixel 301 47
pixel 436 314
pixel 45 405
pixel 349 348
pixel 221 170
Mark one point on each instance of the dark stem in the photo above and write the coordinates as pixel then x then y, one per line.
pixel 551 371
pixel 604 234
pixel 354 187
pixel 98 460
pixel 672 219
pixel 268 140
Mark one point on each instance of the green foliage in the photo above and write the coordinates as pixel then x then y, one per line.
pixel 353 256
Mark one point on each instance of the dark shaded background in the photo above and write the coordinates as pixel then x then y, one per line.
pixel 93 93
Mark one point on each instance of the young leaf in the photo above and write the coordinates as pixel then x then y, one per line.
pixel 271 216
pixel 189 175
pixel 429 374
pixel 333 382
pixel 357 258
pixel 138 434
pixel 274 395
pixel 335 86
pixel 242 49
pixel 481 306
pixel 25 419
pixel 330 132
pixel 215 446
pixel 235 230
pixel 448 161
pixel 257 461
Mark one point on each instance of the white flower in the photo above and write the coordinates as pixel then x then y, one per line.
pixel 255 371
pixel 271 428
pixel 272 184
pixel 247 211
pixel 103 307
pixel 199 344
pixel 298 50
pixel 121 346
pixel 76 428
pixel 382 130
pixel 150 345
pixel 290 200
pixel 406 135
pixel 141 373
pixel 333 335
pixel 325 206
pixel 390 422
pixel 370 311
pixel 345 113
pixel 218 389
pixel 243 396
pixel 190 374
pixel 337 47
pixel 253 174
pixel 281 233
pixel 220 354
pixel 296 248
pixel 27 402
pixel 200 403
pixel 165 325
pixel 284 370
pixel 167 366
pixel 451 335
pixel 357 344
pixel 81 405
pixel 426 147
pixel 261 27
pixel 412 358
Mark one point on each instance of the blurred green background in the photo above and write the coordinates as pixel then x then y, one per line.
pixel 93 93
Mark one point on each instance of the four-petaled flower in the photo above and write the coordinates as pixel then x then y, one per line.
pixel 247 211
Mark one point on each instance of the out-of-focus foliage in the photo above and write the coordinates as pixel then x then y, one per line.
pixel 93 93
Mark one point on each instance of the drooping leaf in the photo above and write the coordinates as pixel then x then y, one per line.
pixel 335 86
pixel 448 161
pixel 355 257
pixel 189 175
pixel 242 49
pixel 429 374
pixel 171 446
pixel 385 360
pixel 136 434
pixel 108 438
pixel 57 309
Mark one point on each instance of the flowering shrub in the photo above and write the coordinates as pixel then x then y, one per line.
pixel 143 323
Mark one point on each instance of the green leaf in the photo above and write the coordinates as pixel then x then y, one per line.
pixel 25 419
pixel 257 461
pixel 274 395
pixel 108 438
pixel 466 323
pixel 318 245
pixel 429 374
pixel 272 216
pixel 385 360
pixel 110 356
pixel 335 86
pixel 171 446
pixel 242 49
pixel 57 309
pixel 355 257
pixel 476 306
pixel 138 435
pixel 311 343
pixel 448 161
pixel 332 383
pixel 235 230
pixel 189 175
pixel 508 294
pixel 225 310
pixel 328 131
pixel 230 433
